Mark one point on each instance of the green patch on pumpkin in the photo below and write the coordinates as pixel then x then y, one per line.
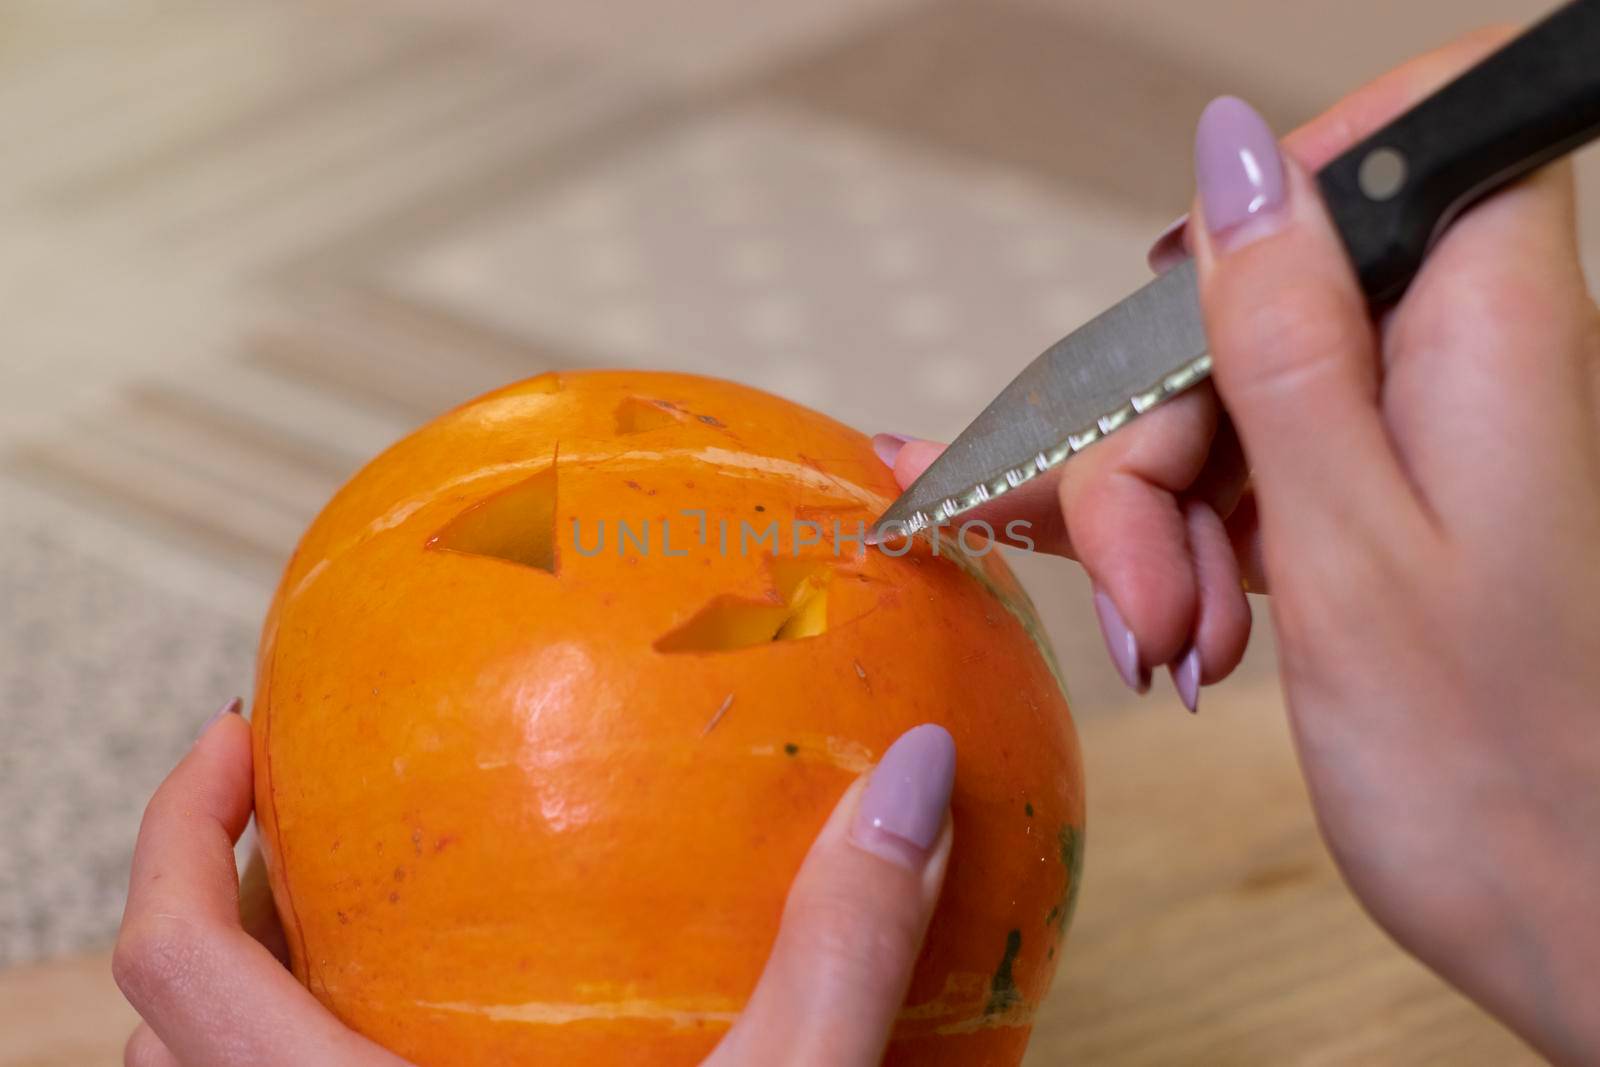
pixel 1070 842
pixel 1003 991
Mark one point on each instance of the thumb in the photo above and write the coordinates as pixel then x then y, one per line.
pixel 1294 348
pixel 855 917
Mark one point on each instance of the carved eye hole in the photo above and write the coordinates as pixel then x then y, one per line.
pixel 636 415
pixel 548 382
pixel 517 525
pixel 797 607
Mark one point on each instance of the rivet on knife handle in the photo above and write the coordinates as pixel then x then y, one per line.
pixel 1531 102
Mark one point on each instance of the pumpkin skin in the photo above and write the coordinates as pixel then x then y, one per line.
pixel 524 801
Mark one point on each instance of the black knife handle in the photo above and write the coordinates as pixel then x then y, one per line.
pixel 1532 101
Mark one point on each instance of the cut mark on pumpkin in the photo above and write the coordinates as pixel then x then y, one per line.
pixel 727 702
pixel 861 672
pixel 833 509
pixel 637 415
pixel 517 525
pixel 796 608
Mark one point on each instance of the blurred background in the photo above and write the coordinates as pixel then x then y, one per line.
pixel 243 246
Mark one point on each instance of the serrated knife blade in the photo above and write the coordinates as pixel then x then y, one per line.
pixel 1119 365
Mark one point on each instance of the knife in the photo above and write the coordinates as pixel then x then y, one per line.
pixel 1390 197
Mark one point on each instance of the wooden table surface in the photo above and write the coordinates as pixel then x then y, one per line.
pixel 1212 929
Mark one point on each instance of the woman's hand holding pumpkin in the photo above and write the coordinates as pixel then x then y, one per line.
pixel 214 989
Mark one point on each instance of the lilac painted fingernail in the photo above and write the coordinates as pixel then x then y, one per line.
pixel 907 796
pixel 1237 166
pixel 230 708
pixel 888 446
pixel 1169 249
pixel 1186 679
pixel 1121 643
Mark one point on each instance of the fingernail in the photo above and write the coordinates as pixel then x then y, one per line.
pixel 1169 248
pixel 903 808
pixel 230 708
pixel 1186 679
pixel 888 446
pixel 1121 643
pixel 1238 168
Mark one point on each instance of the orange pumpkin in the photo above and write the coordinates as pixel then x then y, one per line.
pixel 543 730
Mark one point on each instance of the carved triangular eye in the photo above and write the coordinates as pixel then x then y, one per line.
pixel 798 607
pixel 517 525
pixel 636 415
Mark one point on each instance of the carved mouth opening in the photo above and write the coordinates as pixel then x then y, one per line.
pixel 797 608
